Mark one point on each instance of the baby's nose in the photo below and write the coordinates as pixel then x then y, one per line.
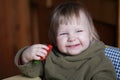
pixel 71 38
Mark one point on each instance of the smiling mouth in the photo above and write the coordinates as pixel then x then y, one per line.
pixel 73 46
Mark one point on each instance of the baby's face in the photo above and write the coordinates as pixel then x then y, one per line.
pixel 73 38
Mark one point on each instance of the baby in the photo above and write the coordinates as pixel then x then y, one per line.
pixel 77 52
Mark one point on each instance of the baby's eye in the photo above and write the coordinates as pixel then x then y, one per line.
pixel 63 33
pixel 79 31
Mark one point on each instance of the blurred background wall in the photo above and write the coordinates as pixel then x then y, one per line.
pixel 26 22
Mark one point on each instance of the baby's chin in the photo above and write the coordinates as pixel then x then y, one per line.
pixel 73 53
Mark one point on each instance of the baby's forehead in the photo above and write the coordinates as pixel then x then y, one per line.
pixel 73 18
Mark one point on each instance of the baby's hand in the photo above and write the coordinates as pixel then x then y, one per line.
pixel 35 52
pixel 48 51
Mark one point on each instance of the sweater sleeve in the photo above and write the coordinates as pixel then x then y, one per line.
pixel 30 69
pixel 105 74
pixel 105 71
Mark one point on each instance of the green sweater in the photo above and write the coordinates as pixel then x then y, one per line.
pixel 91 64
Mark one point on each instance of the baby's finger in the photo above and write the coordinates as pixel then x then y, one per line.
pixel 41 53
pixel 39 46
pixel 36 57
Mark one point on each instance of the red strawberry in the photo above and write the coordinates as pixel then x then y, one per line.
pixel 48 51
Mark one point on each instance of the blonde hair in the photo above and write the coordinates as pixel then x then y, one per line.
pixel 64 13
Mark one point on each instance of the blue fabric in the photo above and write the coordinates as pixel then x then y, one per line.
pixel 113 53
